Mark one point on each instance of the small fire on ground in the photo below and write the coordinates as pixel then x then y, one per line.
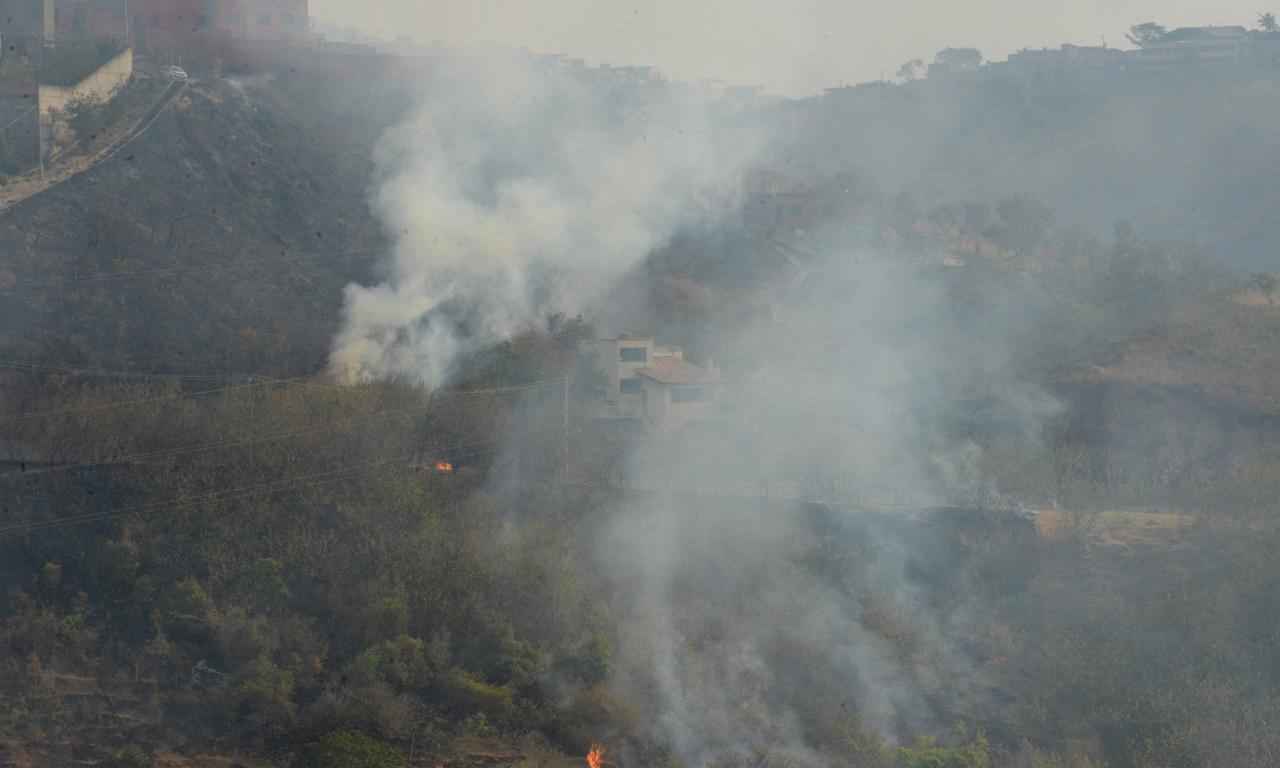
pixel 444 466
pixel 595 757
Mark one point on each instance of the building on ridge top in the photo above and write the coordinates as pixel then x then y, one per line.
pixel 1207 45
pixel 142 21
pixel 168 22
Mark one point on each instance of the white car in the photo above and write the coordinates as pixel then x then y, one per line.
pixel 177 74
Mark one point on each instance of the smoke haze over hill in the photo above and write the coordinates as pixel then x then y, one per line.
pixel 793 49
pixel 515 192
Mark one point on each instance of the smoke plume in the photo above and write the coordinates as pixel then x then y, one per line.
pixel 519 188
pixel 747 616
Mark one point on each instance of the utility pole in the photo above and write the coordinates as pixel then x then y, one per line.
pixel 39 113
pixel 564 429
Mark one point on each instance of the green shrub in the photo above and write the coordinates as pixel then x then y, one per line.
pixel 468 694
pixel 401 662
pixel 186 612
pixel 130 757
pixel 262 585
pixel 387 618
pixel 927 754
pixel 265 696
pixel 350 749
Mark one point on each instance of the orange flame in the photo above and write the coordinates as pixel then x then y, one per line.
pixel 444 466
pixel 595 758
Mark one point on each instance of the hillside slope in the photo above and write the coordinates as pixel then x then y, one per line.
pixel 220 240
pixel 1185 154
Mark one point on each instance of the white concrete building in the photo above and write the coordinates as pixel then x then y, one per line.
pixel 652 384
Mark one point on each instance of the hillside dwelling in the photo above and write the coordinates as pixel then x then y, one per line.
pixel 267 20
pixel 1195 45
pixel 675 393
pixel 1068 58
pixel 55 54
pixel 90 20
pixel 168 24
pixel 54 21
pixel 653 385
pixel 26 20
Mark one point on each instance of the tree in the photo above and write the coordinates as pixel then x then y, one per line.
pixel 131 756
pixel 1266 284
pixel 1267 23
pixel 351 749
pixel 911 70
pixel 950 60
pixel 1145 34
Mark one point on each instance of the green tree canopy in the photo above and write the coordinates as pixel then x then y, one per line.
pixel 1147 33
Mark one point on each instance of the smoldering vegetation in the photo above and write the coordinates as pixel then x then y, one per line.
pixel 520 190
pixel 838 569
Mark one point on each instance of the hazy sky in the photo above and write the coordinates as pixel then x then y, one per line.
pixel 788 46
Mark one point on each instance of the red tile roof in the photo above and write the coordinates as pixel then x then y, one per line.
pixel 669 370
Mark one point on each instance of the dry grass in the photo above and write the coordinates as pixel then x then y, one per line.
pixel 1256 298
pixel 1115 528
pixel 1227 349
pixel 172 760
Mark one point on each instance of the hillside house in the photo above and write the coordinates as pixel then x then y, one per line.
pixel 26 20
pixel 90 19
pixel 1073 58
pixel 55 53
pixel 652 385
pixel 170 24
pixel 1194 45
pixel 53 21
pixel 268 20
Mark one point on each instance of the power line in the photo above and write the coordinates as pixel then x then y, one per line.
pixel 217 445
pixel 291 382
pixel 304 481
pixel 144 456
pixel 461 392
pixel 177 270
pixel 18 365
pixel 149 400
pixel 30 367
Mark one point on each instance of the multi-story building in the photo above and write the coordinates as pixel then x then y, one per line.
pixel 163 23
pixel 154 21
pixel 1068 58
pixel 652 384
pixel 1194 45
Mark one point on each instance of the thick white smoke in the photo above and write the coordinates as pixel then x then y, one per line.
pixel 518 188
pixel 733 623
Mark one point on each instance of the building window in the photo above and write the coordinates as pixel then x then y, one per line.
pixel 633 355
pixel 631 386
pixel 688 394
